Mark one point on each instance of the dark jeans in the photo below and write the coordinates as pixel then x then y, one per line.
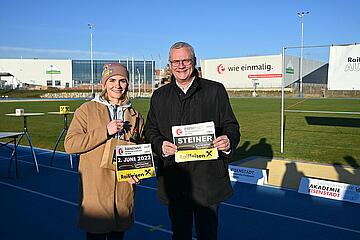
pixel 105 236
pixel 182 215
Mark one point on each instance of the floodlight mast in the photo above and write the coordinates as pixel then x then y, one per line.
pixel 91 59
pixel 301 15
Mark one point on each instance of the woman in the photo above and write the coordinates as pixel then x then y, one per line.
pixel 106 206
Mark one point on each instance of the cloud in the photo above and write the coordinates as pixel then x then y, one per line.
pixel 56 51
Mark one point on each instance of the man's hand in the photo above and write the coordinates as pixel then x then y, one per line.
pixel 222 143
pixel 168 148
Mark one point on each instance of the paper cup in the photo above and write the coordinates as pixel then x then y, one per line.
pixel 19 111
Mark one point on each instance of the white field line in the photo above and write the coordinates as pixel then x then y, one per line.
pixel 327 112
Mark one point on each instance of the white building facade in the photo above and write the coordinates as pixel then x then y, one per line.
pixel 59 73
pixel 38 72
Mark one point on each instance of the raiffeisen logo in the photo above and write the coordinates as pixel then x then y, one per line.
pixel 220 69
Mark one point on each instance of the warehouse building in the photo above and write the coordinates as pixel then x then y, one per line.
pixel 57 73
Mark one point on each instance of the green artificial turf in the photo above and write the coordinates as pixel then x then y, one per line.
pixel 315 137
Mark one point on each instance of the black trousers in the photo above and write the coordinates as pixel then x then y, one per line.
pixel 105 236
pixel 182 215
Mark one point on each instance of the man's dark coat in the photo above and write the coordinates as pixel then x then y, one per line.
pixel 206 182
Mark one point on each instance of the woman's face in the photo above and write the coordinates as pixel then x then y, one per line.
pixel 116 88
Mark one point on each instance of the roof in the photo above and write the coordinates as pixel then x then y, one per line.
pixel 5 74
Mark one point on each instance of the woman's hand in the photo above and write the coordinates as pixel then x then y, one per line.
pixel 115 126
pixel 133 180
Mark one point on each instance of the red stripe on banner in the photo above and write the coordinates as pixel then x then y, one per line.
pixel 265 76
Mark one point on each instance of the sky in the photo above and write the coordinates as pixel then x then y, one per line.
pixel 145 29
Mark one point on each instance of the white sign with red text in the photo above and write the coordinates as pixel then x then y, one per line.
pixel 241 72
pixel 194 142
pixel 329 189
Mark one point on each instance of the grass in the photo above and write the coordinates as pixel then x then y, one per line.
pixel 44 130
pixel 314 137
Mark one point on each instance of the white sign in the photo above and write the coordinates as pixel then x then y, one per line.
pixel 236 73
pixel 19 111
pixel 247 175
pixel 195 142
pixel 344 68
pixel 328 189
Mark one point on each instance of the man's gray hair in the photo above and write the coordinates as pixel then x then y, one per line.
pixel 179 45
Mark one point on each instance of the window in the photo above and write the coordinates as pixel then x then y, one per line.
pixel 49 83
pixel 57 82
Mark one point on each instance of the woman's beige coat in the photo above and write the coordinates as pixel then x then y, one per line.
pixel 105 204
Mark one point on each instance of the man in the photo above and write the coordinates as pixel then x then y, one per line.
pixel 192 190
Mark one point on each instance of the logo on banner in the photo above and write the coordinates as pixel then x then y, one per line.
pixel 53 70
pixel 220 69
pixel 179 132
pixel 353 64
pixel 289 68
pixel 120 151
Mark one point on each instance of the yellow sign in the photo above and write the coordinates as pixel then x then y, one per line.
pixel 141 173
pixel 196 155
pixel 64 109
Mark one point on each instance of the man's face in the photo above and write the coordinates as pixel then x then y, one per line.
pixel 182 64
pixel 116 87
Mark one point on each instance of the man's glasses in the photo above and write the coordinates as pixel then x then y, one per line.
pixel 185 62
